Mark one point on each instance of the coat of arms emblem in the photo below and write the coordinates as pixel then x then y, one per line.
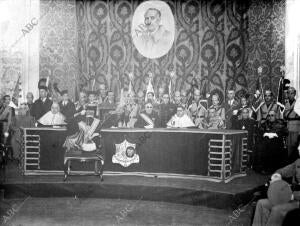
pixel 125 154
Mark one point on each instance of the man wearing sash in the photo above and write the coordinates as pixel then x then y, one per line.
pixel 293 121
pixel 148 119
pixel 267 106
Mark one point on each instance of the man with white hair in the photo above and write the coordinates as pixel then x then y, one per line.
pixel 52 117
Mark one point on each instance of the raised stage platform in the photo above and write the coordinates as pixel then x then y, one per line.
pixel 184 191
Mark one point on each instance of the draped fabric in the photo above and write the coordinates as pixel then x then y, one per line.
pixel 292 43
pixel 19 49
pixel 222 42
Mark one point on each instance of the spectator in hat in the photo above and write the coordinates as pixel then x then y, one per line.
pixel 42 105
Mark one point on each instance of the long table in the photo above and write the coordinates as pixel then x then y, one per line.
pixel 215 155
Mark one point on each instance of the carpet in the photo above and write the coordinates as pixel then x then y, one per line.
pixel 94 211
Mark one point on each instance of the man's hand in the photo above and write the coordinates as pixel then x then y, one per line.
pixel 275 177
pixel 149 127
pixel 83 112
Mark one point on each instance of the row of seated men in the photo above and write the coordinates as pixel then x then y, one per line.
pixel 262 118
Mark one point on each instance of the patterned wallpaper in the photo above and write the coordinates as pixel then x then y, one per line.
pixel 222 42
pixel 58 43
pixel 266 41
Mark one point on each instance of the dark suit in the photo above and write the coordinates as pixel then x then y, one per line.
pixel 229 117
pixel 39 108
pixel 166 111
pixel 67 110
pixel 271 153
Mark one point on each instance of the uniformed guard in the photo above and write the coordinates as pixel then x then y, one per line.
pixel 293 121
pixel 266 106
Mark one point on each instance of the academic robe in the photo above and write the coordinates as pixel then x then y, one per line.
pixel 180 122
pixel 50 119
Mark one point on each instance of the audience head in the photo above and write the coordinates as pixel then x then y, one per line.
pixel 43 91
pixel 230 94
pixel 245 113
pixel 102 90
pixel 215 99
pixel 65 95
pixel 180 111
pixel 55 108
pixel 150 96
pixel 291 93
pixel 140 97
pixel 161 91
pixel 82 97
pixel 211 112
pixel 197 95
pixel 177 97
pixel 111 96
pixel 29 97
pixel 272 116
pixel 244 100
pixel 92 96
pixel 268 95
pixel 166 98
pixel 6 100
pixel 149 107
pixel 183 96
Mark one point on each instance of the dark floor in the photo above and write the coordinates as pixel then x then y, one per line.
pixel 125 200
pixel 83 211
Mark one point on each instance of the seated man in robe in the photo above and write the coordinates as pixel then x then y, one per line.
pixel 52 117
pixel 267 213
pixel 148 119
pixel 270 145
pixel 180 119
